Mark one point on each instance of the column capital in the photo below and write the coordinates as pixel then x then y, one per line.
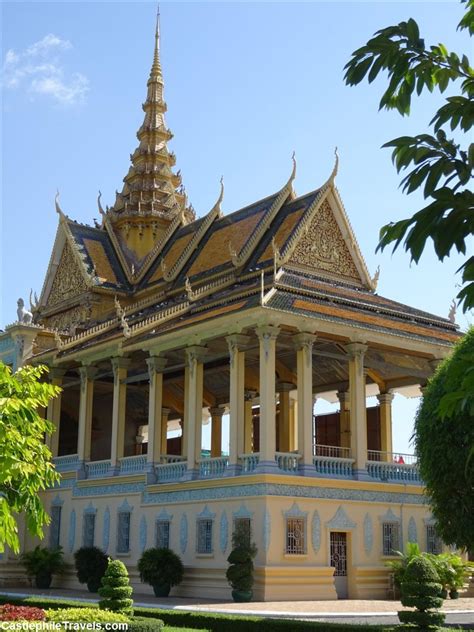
pixel 356 349
pixel 216 411
pixel 55 373
pixel 165 411
pixel 120 362
pixel 238 342
pixel 267 332
pixel 156 365
pixel 385 398
pixel 87 372
pixel 195 352
pixel 304 340
pixel 250 395
pixel 285 387
pixel 343 397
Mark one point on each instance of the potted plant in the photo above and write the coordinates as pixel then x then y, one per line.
pixel 91 564
pixel 42 563
pixel 399 566
pixel 162 569
pixel 240 572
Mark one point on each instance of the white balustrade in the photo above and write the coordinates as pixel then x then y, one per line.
pixel 333 451
pixel 97 469
pixel 287 461
pixel 334 466
pixel 213 467
pixel 249 461
pixel 392 466
pixel 66 463
pixel 171 458
pixel 132 464
pixel 168 472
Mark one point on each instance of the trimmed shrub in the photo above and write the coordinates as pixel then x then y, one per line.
pixel 91 564
pixel 116 597
pixel 240 572
pixel 421 589
pixel 85 615
pixel 160 568
pixel 143 624
pixel 10 612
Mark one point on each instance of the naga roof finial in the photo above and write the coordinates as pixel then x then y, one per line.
pixel 59 210
pixel 101 210
pixel 217 206
pixel 375 278
pixel 452 311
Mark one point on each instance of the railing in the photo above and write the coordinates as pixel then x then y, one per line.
pixel 66 463
pixel 133 464
pixel 249 461
pixel 287 461
pixel 392 457
pixel 334 466
pixel 334 451
pixel 97 469
pixel 171 458
pixel 391 466
pixel 213 467
pixel 167 472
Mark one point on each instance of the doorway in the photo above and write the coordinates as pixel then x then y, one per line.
pixel 338 541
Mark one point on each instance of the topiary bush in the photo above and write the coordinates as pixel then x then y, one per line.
pixel 85 615
pixel 116 591
pixel 421 589
pixel 161 568
pixel 240 572
pixel 91 564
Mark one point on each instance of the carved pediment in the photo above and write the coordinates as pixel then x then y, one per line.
pixel 69 279
pixel 323 247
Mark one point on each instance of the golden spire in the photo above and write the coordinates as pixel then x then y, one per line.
pixel 151 190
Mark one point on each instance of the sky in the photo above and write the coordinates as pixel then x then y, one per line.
pixel 246 85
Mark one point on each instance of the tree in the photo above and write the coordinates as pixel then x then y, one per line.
pixel 116 591
pixel 421 590
pixel 441 164
pixel 25 460
pixel 445 447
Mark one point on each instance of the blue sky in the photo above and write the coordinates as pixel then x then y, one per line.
pixel 246 84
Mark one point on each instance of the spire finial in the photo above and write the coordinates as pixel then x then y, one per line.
pixel 156 56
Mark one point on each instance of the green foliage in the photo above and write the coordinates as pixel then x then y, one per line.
pixel 43 560
pixel 453 572
pixel 116 591
pixel 441 165
pixel 210 621
pixel 26 467
pixel 159 567
pixel 421 589
pixel 85 615
pixel 240 572
pixel 91 564
pixel 445 446
pixel 399 566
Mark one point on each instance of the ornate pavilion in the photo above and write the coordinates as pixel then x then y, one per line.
pixel 156 323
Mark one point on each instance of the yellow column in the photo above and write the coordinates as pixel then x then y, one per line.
pixel 284 389
pixel 165 412
pixel 267 336
pixel 87 374
pixel 237 345
pixel 119 406
pixel 385 400
pixel 358 413
pixel 216 430
pixel 156 366
pixel 248 423
pixel 293 441
pixel 54 410
pixel 194 384
pixel 304 360
pixel 344 419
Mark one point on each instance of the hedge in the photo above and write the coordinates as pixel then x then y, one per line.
pixel 212 622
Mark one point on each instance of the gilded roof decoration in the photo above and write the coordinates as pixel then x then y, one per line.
pixel 69 279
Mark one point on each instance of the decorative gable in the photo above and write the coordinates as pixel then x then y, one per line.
pixel 323 246
pixel 69 279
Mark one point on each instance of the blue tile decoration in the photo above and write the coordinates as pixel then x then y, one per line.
pixel 106 530
pixel 267 530
pixel 316 531
pixel 224 532
pixel 368 534
pixel 72 530
pixel 389 516
pixel 242 512
pixel 90 509
pixel 142 533
pixel 183 533
pixel 412 533
pixel 295 512
pixel 57 501
pixel 206 514
pixel 340 520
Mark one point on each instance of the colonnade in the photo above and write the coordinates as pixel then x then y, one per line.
pixel 296 419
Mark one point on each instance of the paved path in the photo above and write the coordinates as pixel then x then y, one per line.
pixel 459 611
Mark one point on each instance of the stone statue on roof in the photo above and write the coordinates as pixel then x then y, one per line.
pixel 24 316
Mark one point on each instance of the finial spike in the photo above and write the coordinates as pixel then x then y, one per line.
pixel 56 204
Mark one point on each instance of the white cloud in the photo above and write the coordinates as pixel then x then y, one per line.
pixel 38 70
